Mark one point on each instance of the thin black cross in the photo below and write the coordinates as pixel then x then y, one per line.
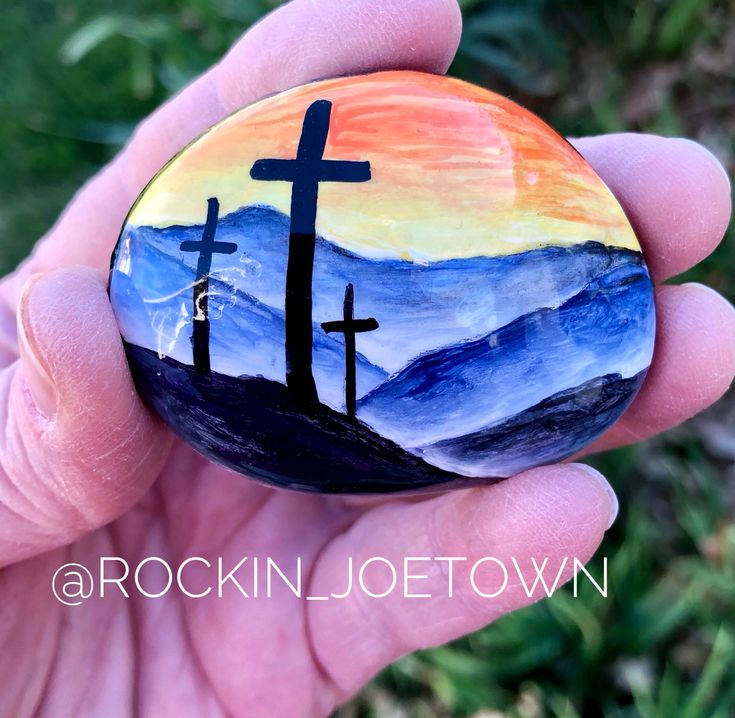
pixel 206 248
pixel 305 172
pixel 349 326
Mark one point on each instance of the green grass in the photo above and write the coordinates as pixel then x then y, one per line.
pixel 79 74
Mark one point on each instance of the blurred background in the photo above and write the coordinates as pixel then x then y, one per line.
pixel 77 75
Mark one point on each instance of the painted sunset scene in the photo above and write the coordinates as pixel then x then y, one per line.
pixel 383 283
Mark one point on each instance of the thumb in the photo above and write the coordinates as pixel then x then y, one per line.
pixel 510 544
pixel 79 447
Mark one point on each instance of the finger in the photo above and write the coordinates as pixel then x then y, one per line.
pixel 299 42
pixel 693 364
pixel 674 191
pixel 78 447
pixel 556 512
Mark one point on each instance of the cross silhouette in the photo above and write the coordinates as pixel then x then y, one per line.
pixel 349 326
pixel 206 247
pixel 305 172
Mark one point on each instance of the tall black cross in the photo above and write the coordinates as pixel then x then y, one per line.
pixel 206 248
pixel 349 326
pixel 305 172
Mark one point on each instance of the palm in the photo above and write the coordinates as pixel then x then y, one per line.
pixel 212 644
pixel 84 466
pixel 212 513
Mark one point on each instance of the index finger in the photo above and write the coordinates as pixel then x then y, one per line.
pixel 674 191
pixel 300 42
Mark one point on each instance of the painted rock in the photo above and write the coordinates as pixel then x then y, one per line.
pixel 383 283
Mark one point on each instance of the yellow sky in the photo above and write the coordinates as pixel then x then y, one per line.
pixel 457 171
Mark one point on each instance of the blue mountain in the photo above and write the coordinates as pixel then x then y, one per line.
pixel 547 432
pixel 247 336
pixel 420 306
pixel 605 329
pixel 463 344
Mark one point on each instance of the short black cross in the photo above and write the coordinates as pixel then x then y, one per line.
pixel 349 326
pixel 206 248
pixel 305 172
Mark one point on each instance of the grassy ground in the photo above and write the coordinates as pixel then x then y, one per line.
pixel 78 74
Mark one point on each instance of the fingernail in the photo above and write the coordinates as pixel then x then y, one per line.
pixel 613 505
pixel 38 380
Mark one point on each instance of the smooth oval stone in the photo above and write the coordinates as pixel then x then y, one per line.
pixel 383 283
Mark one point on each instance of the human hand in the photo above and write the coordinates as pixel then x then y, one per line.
pixel 80 453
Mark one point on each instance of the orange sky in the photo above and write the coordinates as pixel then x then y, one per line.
pixel 456 171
